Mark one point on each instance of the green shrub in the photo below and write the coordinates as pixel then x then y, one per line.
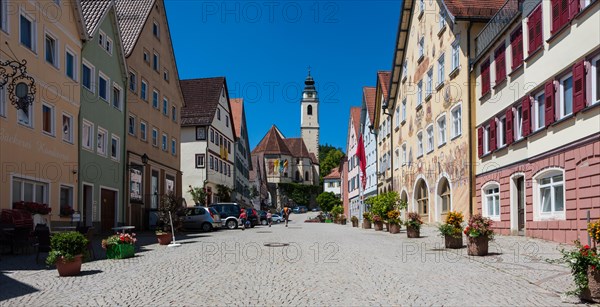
pixel 66 245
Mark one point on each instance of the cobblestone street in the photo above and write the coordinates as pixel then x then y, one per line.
pixel 320 264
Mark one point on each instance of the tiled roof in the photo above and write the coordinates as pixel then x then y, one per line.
pixel 355 116
pixel 93 11
pixel 297 147
pixel 473 9
pixel 369 93
pixel 383 78
pixel 237 110
pixel 272 144
pixel 313 158
pixel 132 15
pixel 201 98
pixel 335 174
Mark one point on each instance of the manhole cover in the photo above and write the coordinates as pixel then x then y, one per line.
pixel 264 231
pixel 276 244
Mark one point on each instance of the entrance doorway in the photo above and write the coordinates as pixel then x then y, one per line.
pixel 108 207
pixel 88 203
pixel 517 205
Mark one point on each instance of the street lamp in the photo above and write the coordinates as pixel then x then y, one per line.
pixel 21 88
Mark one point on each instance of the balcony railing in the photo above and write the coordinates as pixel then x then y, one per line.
pixel 502 19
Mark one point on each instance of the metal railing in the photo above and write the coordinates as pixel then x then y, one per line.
pixel 502 19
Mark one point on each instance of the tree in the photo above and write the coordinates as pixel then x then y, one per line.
pixel 224 193
pixel 198 195
pixel 383 203
pixel 172 204
pixel 327 201
pixel 330 158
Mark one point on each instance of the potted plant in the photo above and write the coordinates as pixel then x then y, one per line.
pixel 66 210
pixel 119 246
pixel 378 222
pixel 413 225
pixel 394 221
pixel 66 252
pixel 584 263
pixel 354 220
pixel 452 230
pixel 367 220
pixel 479 232
pixel 170 206
pixel 343 219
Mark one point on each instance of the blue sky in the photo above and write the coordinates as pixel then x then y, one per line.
pixel 264 48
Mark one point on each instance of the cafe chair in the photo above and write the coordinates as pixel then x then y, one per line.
pixel 42 240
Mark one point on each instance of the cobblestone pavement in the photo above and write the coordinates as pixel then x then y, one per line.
pixel 320 264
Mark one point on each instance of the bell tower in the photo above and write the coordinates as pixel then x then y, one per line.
pixel 309 118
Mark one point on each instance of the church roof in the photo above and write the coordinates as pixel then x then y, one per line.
pixel 297 147
pixel 383 78
pixel 369 93
pixel 237 110
pixel 335 174
pixel 201 98
pixel 272 144
pixel 355 116
pixel 313 158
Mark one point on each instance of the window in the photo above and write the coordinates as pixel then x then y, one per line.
pixel 164 142
pixel 144 90
pixel 404 70
pixel 595 75
pixel 132 81
pixel 404 110
pixel 143 131
pixel 429 87
pixel 444 194
pixel 500 62
pixel 456 53
pixel 534 28
pixel 67 128
pixel 486 139
pixel 115 147
pixel 419 93
pixel 155 63
pixel 87 133
pixel 549 197
pixel 397 116
pixel 566 96
pixel 516 47
pixel 87 76
pixel 441 130
pixel 165 106
pixel 201 133
pixel 518 122
pixel 155 30
pixel 155 99
pixel 562 13
pixel 48 119
pixel 442 22
pixel 421 48
pixel 27 29
pixel 29 191
pixel 441 74
pixel 397 158
pixel 101 142
pixel 103 87
pixel 421 197
pixel 166 75
pixel 200 160
pixel 3 99
pixel 485 78
pixel 51 48
pixel 430 138
pixel 211 162
pixel 491 194
pixel 501 132
pixel 154 137
pixel 404 154
pixel 226 120
pixel 419 143
pixel 131 125
pixel 4 15
pixel 25 116
pixel 212 136
pixel 174 113
pixel 101 37
pixel 540 118
pixel 219 113
pixel 421 6
pixel 108 46
pixel 70 64
pixel 146 57
pixel 173 146
pixel 456 121
pixel 117 97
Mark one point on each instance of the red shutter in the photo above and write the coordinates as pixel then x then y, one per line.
pixel 480 141
pixel 556 15
pixel 579 86
pixel 539 33
pixel 526 116
pixel 564 12
pixel 531 33
pixel 485 77
pixel 573 8
pixel 509 126
pixel 493 143
pixel 549 104
pixel 517 48
pixel 500 64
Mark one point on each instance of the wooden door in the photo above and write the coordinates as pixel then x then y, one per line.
pixel 107 217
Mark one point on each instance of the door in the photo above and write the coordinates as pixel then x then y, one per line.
pixel 154 190
pixel 521 204
pixel 88 198
pixel 107 219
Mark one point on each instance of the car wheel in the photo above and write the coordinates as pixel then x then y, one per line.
pixel 231 224
pixel 206 227
pixel 264 222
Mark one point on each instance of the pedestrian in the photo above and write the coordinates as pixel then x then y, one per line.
pixel 243 219
pixel 286 215
pixel 269 218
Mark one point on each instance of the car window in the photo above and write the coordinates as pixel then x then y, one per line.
pixel 189 212
pixel 200 211
pixel 213 211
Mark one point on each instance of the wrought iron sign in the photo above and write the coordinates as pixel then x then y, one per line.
pixel 21 88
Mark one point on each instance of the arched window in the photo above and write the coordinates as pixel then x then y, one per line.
pixel 444 195
pixel 491 200
pixel 421 196
pixel 549 194
pixel 404 197
pixel 309 110
pixel 306 177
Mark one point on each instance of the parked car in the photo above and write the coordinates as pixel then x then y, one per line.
pixel 296 210
pixel 199 217
pixel 276 218
pixel 229 213
pixel 263 218
pixel 316 209
pixel 300 209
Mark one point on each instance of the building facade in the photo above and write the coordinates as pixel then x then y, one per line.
pixel 39 141
pixel 332 182
pixel 207 138
pixel 382 125
pixel 429 100
pixel 367 114
pixel 154 101
pixel 243 163
pixel 538 112
pixel 354 185
pixel 102 119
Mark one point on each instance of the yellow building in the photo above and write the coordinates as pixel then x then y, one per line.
pixel 428 101
pixel 38 142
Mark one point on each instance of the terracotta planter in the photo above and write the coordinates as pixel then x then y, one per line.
pixel 394 228
pixel 164 239
pixel 378 226
pixel 592 293
pixel 478 246
pixel 354 223
pixel 367 224
pixel 387 227
pixel 452 242
pixel 69 268
pixel 413 232
pixel 343 222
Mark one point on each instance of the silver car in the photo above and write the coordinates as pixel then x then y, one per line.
pixel 276 218
pixel 199 217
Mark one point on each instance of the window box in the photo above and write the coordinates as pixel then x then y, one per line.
pixel 420 59
pixel 442 30
pixel 533 53
pixel 454 72
pixel 499 84
pixel 120 251
pixel 439 86
pixel 428 97
pixel 516 70
pixel 557 33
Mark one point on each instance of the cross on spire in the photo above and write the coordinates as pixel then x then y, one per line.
pixel 308 70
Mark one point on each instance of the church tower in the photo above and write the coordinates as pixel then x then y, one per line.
pixel 309 119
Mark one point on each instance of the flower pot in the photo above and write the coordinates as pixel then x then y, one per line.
pixel 343 222
pixel 413 232
pixel 478 246
pixel 354 223
pixel 387 227
pixel 164 239
pixel 453 242
pixel 367 224
pixel 120 251
pixel 592 293
pixel 69 268
pixel 394 228
pixel 378 226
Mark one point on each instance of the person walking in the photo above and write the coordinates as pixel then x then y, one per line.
pixel 286 215
pixel 243 219
pixel 269 218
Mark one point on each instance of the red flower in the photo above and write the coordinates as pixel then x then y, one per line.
pixel 586 247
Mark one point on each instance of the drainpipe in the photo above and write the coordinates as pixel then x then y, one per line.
pixel 471 182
